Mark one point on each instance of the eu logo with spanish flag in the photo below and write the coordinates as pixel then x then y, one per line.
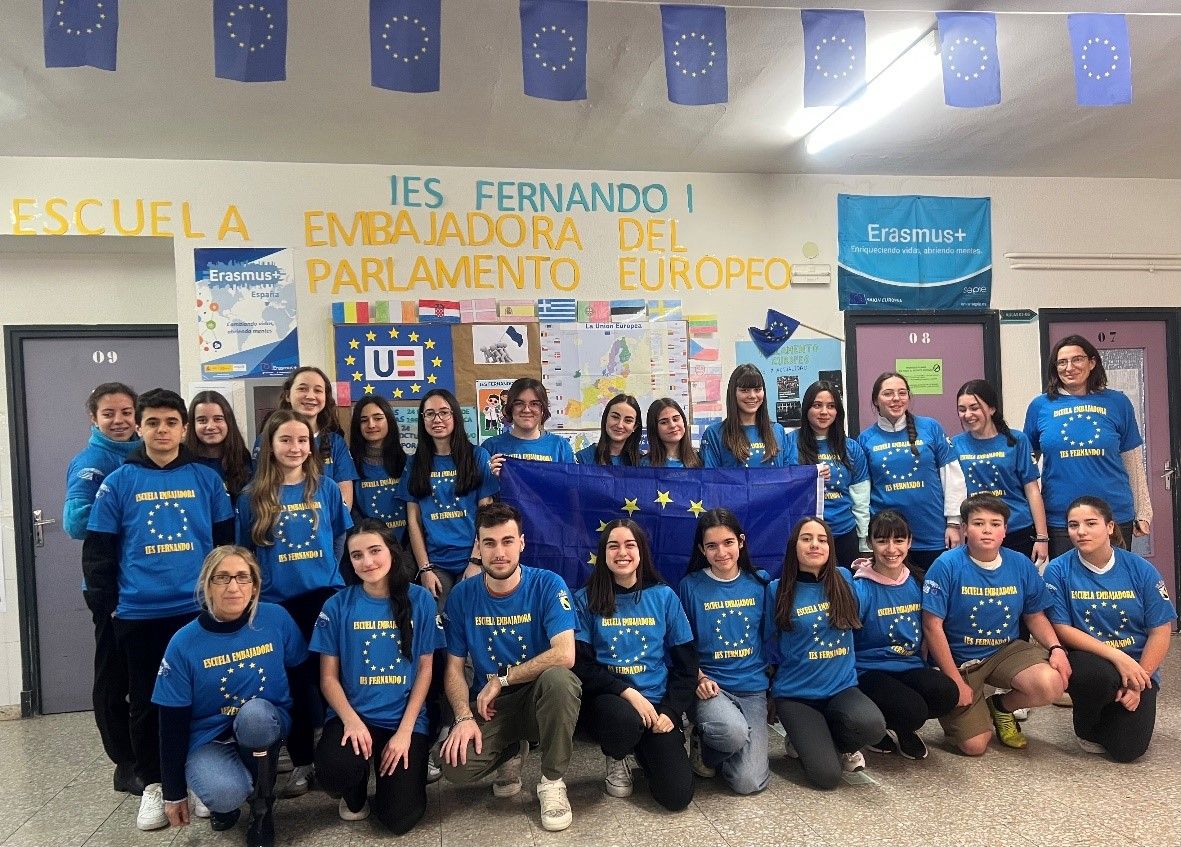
pixel 565 507
pixel 395 361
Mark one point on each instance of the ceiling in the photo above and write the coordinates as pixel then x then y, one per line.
pixel 164 102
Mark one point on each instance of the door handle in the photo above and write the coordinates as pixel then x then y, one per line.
pixel 39 520
pixel 1170 474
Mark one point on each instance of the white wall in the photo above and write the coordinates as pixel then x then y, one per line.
pixel 739 215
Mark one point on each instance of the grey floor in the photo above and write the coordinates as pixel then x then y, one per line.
pixel 55 789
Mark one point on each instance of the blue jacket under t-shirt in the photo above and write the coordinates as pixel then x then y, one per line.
pixel 635 642
pixel 815 660
pixel 300 557
pixel 497 632
pixel 993 466
pixel 728 620
pixel 838 503
pixel 547 448
pixel 375 496
pixel 891 634
pixel 981 608
pixel 376 676
pixel 1118 607
pixel 1081 439
pixel 715 454
pixel 86 473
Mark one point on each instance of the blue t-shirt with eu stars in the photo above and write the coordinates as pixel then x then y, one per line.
pixel 838 505
pixel 728 619
pixel 994 466
pixel 376 676
pixel 547 448
pixel 715 453
pixel 375 496
pixel 815 659
pixel 891 633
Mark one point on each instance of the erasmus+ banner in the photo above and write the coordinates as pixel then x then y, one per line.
pixel 914 252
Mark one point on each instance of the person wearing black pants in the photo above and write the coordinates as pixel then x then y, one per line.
pixel 399 800
pixel 109 696
pixel 1100 718
pixel 307 708
pixel 908 699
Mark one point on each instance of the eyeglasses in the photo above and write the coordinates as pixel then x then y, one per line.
pixel 521 405
pixel 439 415
pixel 1073 361
pixel 901 393
pixel 224 578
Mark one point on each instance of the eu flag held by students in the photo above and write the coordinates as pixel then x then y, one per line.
pixel 405 40
pixel 81 32
pixel 971 68
pixel 564 508
pixel 250 40
pixel 553 48
pixel 1102 55
pixel 695 60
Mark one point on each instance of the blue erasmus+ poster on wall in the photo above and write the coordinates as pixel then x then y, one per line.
pixel 914 252
pixel 246 313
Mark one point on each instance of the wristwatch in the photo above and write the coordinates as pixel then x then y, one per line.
pixel 502 676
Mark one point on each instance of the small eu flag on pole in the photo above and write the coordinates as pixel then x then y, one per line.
pixel 80 32
pixel 405 42
pixel 553 48
pixel 250 40
pixel 971 67
pixel 834 55
pixel 1102 55
pixel 695 62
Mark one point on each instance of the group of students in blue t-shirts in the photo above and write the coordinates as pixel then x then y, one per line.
pixel 210 570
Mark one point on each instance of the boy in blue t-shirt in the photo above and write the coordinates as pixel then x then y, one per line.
pixel 517 626
pixel 154 520
pixel 973 599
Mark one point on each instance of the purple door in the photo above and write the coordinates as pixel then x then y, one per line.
pixel 1136 358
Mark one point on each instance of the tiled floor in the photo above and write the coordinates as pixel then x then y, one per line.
pixel 55 791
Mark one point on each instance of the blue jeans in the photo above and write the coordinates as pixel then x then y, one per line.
pixel 221 773
pixel 733 731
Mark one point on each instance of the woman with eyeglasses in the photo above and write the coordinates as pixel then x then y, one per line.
pixel 1089 441
pixel 527 410
pixel 225 703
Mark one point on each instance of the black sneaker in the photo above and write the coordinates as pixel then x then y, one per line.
pixel 126 781
pixel 910 746
pixel 221 821
pixel 885 745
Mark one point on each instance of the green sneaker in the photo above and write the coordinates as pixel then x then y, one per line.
pixel 1008 731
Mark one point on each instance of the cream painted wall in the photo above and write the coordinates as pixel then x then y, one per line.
pixel 734 215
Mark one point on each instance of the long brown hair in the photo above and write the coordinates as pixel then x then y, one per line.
pixel 397 581
pixel 658 455
pixel 264 489
pixel 325 421
pixel 600 588
pixel 911 432
pixel 733 434
pixel 232 453
pixel 842 603
pixel 630 453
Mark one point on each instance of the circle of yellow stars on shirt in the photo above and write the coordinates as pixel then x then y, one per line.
pixel 838 43
pixel 985 475
pixel 368 648
pixel 1087 418
pixel 374 505
pixel 743 623
pixel 243 13
pixel 439 489
pixel 1093 626
pixel 626 639
pixel 890 472
pixel 570 48
pixel 507 634
pixel 1098 44
pixel 154 523
pixel 76 29
pixel 281 529
pixel 896 638
pixel 972 65
pixel 819 622
pixel 685 38
pixel 979 607
pixel 415 55
pixel 243 670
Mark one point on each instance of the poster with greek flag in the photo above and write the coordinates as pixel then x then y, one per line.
pixel 971 68
pixel 80 33
pixel 553 48
pixel 914 252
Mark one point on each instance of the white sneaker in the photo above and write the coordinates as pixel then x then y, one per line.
pixel 200 810
pixel 151 809
pixel 1021 714
pixel 853 762
pixel 434 772
pixel 347 814
pixel 618 780
pixel 555 805
pixel 696 761
pixel 298 782
pixel 508 776
pixel 1089 746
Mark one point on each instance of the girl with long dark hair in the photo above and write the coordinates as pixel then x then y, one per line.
pixel 620 432
pixel 217 442
pixel 380 459
pixel 746 437
pixel 669 443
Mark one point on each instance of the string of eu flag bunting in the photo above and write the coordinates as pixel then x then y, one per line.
pixel 406 39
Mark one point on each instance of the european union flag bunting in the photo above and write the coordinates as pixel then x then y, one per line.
pixel 405 42
pixel 395 361
pixel 80 32
pixel 778 330
pixel 564 508
pixel 553 48
pixel 971 67
pixel 695 61
pixel 250 40
pixel 834 55
pixel 1102 55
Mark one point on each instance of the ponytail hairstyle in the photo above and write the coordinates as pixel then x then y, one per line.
pixel 265 487
pixel 233 454
pixel 842 602
pixel 467 472
pixel 1104 509
pixel 393 455
pixel 710 519
pixel 1096 381
pixel 397 580
pixel 808 448
pixel 733 435
pixel 630 454
pixel 911 433
pixel 984 393
pixel 658 454
pixel 600 588
pixel 325 421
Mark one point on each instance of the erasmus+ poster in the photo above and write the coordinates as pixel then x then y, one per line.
pixel 246 312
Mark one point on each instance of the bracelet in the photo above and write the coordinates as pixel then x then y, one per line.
pixel 458 721
pixel 427 568
pixel 1056 647
pixel 1041 539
